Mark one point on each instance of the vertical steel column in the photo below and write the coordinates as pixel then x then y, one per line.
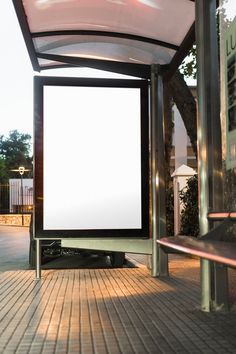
pixel 159 258
pixel 22 199
pixel 213 279
pixel 38 260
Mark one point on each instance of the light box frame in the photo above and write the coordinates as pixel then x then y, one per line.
pixel 39 231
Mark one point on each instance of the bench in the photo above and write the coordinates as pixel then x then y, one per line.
pixel 217 251
pixel 218 246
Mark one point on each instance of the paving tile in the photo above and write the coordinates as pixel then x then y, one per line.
pixel 114 311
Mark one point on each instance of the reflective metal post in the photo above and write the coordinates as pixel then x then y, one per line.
pixel 159 258
pixel 22 199
pixel 38 260
pixel 213 279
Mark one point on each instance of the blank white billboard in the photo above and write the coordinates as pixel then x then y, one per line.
pixel 91 158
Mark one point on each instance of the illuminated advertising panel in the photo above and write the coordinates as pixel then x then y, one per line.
pixel 91 158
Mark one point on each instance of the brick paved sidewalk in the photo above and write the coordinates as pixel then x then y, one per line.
pixel 111 311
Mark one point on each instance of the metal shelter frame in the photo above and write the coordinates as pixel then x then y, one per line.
pixel 139 70
pixel 213 276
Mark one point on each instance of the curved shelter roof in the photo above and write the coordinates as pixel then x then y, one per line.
pixel 125 36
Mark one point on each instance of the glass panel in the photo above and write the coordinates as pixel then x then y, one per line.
pixel 227 17
pixel 166 20
pixel 45 62
pixel 107 48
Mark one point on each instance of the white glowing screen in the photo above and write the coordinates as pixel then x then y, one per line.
pixel 92 158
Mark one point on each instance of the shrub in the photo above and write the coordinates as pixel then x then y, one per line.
pixel 189 214
pixel 170 211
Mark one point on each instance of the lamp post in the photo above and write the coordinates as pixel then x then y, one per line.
pixel 21 170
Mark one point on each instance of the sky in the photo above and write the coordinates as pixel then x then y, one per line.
pixel 16 108
pixel 16 99
pixel 16 102
pixel 16 75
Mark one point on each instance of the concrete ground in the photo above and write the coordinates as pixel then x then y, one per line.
pixel 87 310
pixel 14 251
pixel 14 248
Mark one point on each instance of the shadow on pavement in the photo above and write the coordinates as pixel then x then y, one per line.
pixel 92 261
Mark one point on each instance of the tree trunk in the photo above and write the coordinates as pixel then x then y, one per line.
pixel 168 123
pixel 186 105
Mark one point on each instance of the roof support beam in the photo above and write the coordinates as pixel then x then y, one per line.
pixel 106 34
pixel 181 53
pixel 138 70
pixel 20 12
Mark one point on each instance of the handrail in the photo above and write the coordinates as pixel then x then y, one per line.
pixel 221 215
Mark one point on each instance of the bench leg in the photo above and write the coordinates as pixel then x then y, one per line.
pixel 214 286
pixel 221 289
pixel 159 262
pixel 205 279
pixel 163 263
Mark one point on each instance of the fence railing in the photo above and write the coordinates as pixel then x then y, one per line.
pixel 16 197
pixel 4 198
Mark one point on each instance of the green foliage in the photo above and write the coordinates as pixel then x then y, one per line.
pixel 189 66
pixel 189 214
pixel 3 171
pixel 14 152
pixel 170 211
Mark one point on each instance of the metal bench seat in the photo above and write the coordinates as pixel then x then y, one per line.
pixel 217 251
pixel 217 245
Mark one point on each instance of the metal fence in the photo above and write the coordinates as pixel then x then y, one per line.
pixel 16 197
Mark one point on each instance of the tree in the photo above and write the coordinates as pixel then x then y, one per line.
pixel 181 94
pixel 3 171
pixel 14 152
pixel 186 104
pixel 189 66
pixel 183 97
pixel 189 214
pixel 177 91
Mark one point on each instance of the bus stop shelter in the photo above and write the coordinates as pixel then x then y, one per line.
pixel 146 39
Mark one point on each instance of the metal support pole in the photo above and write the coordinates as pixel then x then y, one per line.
pixel 38 260
pixel 209 145
pixel 205 278
pixel 22 200
pixel 159 258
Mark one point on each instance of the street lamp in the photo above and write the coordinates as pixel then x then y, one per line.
pixel 21 170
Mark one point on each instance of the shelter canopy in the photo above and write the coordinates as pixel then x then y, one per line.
pixel 125 36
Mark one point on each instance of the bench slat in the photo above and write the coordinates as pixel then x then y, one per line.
pixel 217 251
